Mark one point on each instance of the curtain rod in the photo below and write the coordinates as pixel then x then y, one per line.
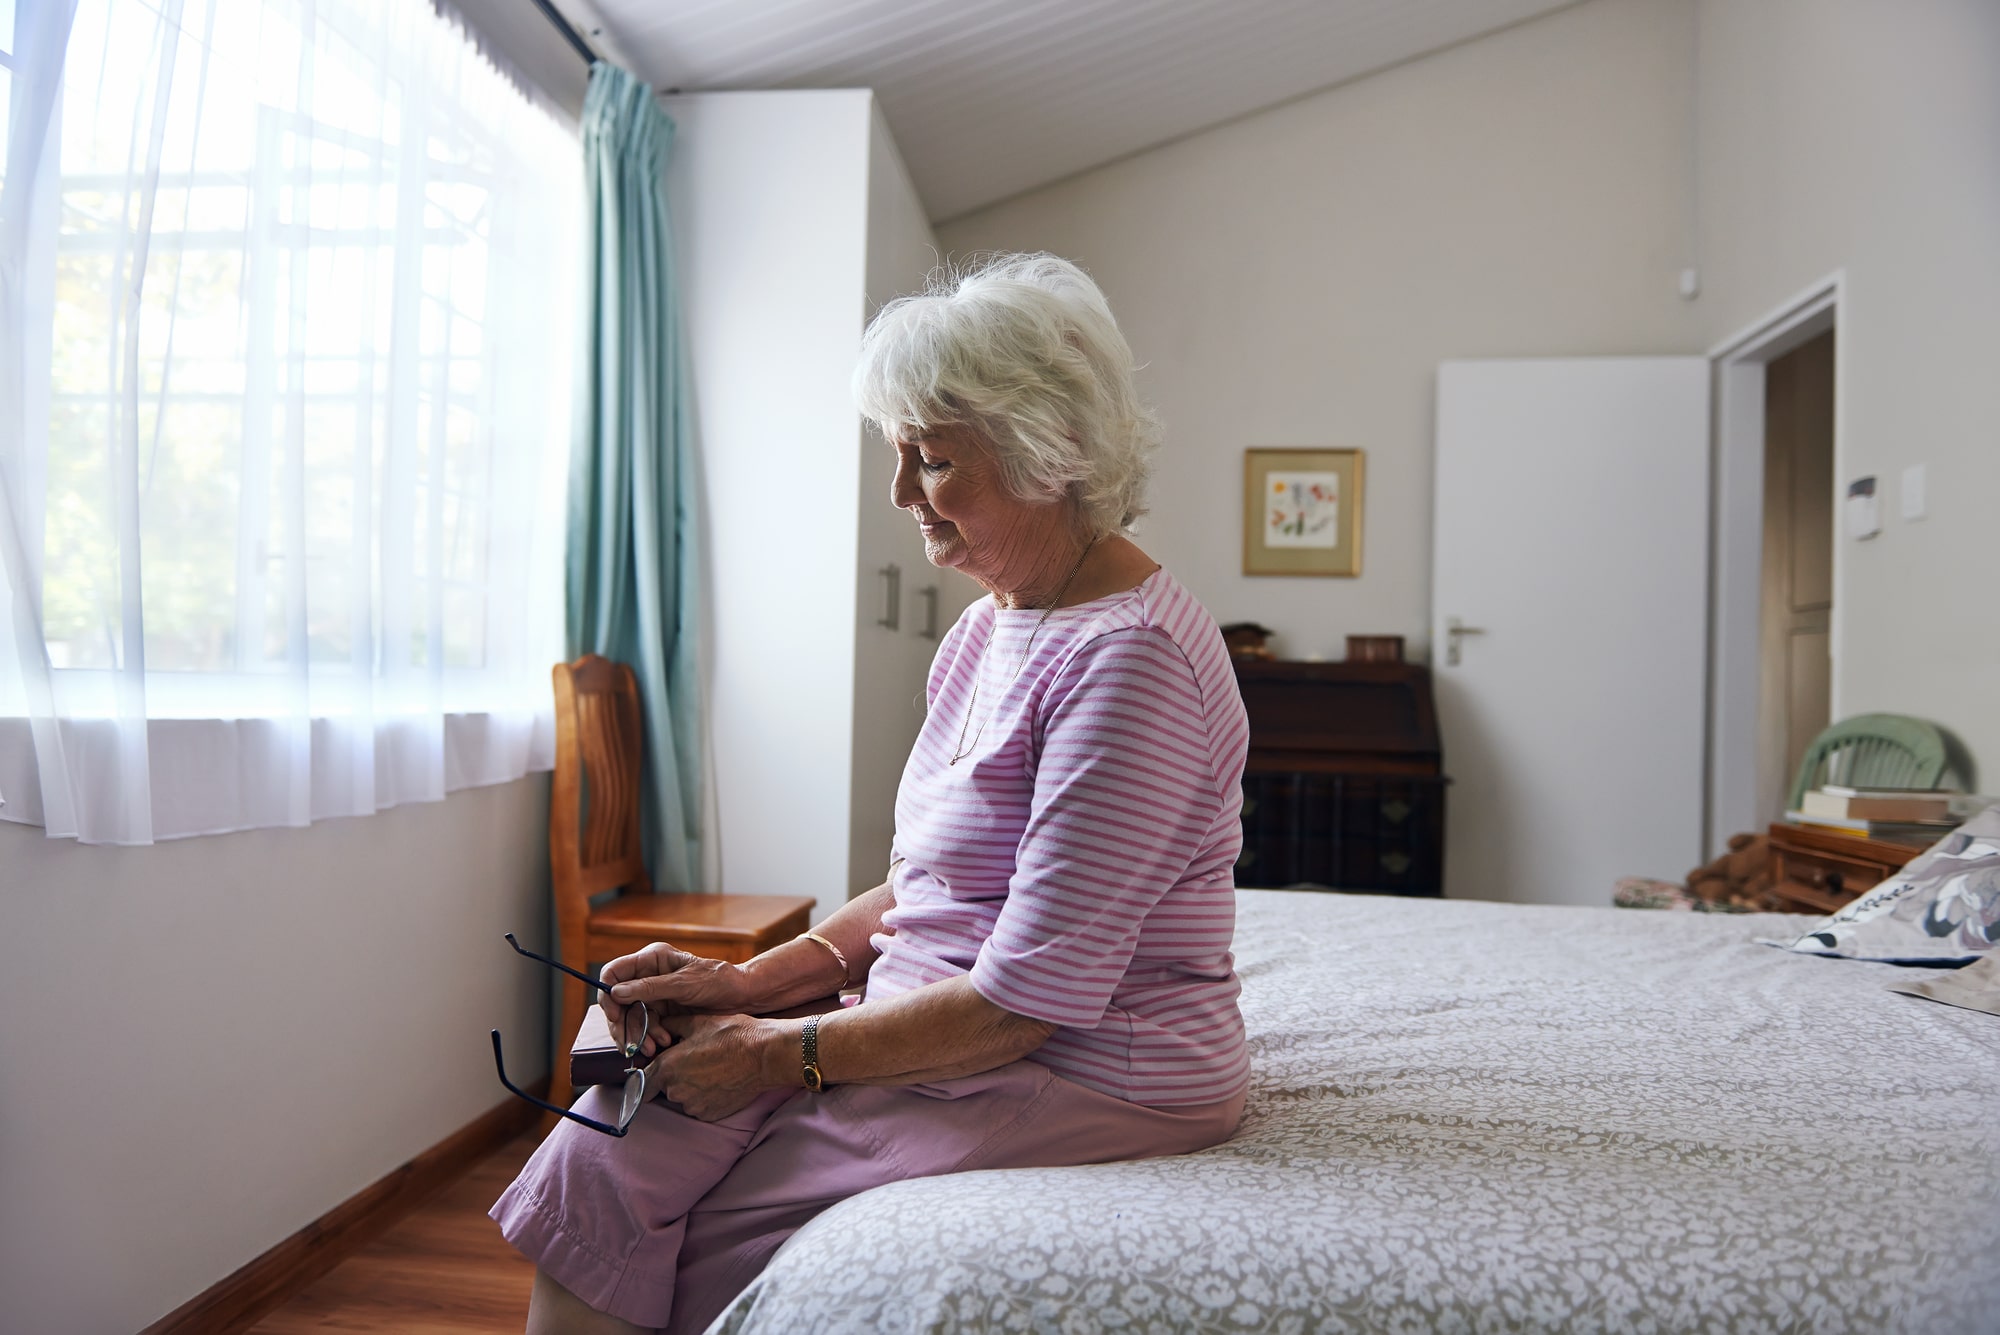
pixel 569 34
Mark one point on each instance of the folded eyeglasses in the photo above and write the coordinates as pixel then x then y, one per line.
pixel 636 1024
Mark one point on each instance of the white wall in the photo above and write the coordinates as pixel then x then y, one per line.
pixel 890 666
pixel 795 219
pixel 1857 136
pixel 1294 278
pixel 209 1043
pixel 770 200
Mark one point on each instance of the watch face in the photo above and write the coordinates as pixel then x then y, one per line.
pixel 813 1081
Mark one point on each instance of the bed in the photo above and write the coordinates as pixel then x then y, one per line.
pixel 1467 1117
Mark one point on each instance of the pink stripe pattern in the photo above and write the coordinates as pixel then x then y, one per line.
pixel 1078 862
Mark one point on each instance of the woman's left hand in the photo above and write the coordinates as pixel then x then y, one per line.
pixel 716 1065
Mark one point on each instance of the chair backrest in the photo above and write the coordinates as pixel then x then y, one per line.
pixel 1872 751
pixel 594 835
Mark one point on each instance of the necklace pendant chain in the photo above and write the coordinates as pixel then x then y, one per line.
pixel 961 751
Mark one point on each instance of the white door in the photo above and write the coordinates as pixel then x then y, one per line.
pixel 1568 622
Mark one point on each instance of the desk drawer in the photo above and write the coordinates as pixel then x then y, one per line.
pixel 1826 880
pixel 1343 831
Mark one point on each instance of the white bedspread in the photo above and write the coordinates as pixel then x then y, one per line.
pixel 1475 1117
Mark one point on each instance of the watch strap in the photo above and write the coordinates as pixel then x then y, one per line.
pixel 809 1053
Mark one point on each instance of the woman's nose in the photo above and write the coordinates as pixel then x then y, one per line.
pixel 903 489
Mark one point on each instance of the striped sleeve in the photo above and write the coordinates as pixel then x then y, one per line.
pixel 1124 796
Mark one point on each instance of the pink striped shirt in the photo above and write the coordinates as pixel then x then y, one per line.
pixel 1078 861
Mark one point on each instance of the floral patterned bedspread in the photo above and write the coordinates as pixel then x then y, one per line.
pixel 1480 1117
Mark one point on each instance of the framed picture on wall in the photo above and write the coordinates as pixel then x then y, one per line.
pixel 1301 512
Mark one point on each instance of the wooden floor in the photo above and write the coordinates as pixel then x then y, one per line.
pixel 442 1271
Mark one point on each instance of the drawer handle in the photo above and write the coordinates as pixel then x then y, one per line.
pixel 1394 812
pixel 892 597
pixel 1396 863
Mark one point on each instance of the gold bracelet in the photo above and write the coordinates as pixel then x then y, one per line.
pixel 838 958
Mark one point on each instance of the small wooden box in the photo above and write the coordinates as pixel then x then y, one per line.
pixel 1822 871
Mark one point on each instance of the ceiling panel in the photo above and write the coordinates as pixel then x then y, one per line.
pixel 988 98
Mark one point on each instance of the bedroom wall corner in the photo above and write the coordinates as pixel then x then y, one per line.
pixel 209 1043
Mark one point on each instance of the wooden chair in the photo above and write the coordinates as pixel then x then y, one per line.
pixel 595 847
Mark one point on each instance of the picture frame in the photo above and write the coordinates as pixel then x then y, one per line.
pixel 1302 511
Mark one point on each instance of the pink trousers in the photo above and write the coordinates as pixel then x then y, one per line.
pixel 668 1224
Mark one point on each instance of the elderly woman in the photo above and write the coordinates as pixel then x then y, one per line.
pixel 1047 968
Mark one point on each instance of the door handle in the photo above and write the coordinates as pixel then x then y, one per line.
pixel 929 594
pixel 1454 631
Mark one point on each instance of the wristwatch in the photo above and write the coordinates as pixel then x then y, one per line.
pixel 809 1046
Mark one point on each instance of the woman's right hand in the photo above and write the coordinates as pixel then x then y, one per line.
pixel 670 982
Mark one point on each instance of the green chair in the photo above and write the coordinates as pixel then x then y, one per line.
pixel 1872 751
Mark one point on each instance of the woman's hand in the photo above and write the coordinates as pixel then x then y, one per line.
pixel 670 982
pixel 716 1065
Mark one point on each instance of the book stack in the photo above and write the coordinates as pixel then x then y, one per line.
pixel 1900 815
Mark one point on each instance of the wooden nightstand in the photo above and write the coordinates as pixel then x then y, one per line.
pixel 1820 871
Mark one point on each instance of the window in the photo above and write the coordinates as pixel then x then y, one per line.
pixel 6 78
pixel 311 268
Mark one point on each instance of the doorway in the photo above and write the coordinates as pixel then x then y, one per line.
pixel 1794 700
pixel 1774 623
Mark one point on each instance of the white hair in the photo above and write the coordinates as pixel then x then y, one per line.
pixel 1022 350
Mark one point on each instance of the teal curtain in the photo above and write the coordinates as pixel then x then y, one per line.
pixel 632 581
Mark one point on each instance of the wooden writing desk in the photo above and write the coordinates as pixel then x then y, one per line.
pixel 1344 786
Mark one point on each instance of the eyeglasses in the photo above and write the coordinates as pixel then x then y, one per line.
pixel 636 1024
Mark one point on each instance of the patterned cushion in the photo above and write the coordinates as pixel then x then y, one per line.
pixel 1944 908
pixel 1643 892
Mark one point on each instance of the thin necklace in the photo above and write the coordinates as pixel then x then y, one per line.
pixel 961 751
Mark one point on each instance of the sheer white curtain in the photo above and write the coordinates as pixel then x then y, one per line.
pixel 288 287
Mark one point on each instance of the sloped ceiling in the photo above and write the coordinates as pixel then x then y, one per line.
pixel 988 98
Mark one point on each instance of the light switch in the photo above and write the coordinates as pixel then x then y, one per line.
pixel 1864 509
pixel 1913 492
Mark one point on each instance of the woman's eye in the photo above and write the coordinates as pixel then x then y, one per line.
pixel 934 465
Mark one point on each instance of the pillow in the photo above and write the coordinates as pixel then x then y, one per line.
pixel 1942 909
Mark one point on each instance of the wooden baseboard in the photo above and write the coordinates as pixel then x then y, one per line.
pixel 238 1302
